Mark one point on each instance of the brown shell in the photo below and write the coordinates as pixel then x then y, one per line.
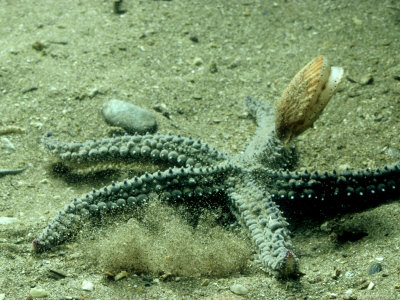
pixel 300 104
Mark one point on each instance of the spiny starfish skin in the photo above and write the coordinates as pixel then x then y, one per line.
pixel 259 185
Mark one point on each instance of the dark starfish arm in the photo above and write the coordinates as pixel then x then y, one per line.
pixel 172 184
pixel 167 149
pixel 267 227
pixel 334 193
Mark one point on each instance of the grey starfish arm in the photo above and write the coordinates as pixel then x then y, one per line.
pixel 264 146
pixel 333 193
pixel 263 113
pixel 267 227
pixel 172 184
pixel 167 149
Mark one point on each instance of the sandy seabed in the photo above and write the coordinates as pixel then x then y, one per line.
pixel 61 60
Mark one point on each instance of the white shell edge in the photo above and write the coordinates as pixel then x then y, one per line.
pixel 333 82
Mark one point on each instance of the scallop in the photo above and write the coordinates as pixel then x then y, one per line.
pixel 305 97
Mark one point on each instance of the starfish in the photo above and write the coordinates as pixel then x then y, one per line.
pixel 258 185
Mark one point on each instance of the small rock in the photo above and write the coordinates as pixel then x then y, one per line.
pixel 238 289
pixel 166 277
pixel 336 274
pixel 205 282
pixel 349 274
pixel 349 292
pixel 194 38
pixel 120 275
pixel 38 293
pixel 163 109
pixel 38 46
pixel 197 61
pixel 130 117
pixel 2 296
pixel 370 286
pixel 87 286
pixel 213 67
pixel 366 79
pixel 375 268
pixel 56 274
pixel 327 226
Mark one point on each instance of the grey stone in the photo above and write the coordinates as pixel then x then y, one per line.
pixel 239 289
pixel 37 292
pixel 374 268
pixel 366 79
pixel 130 117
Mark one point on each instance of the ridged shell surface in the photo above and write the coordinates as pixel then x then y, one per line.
pixel 301 102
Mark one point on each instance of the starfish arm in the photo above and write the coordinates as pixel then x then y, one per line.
pixel 334 193
pixel 172 184
pixel 265 118
pixel 265 146
pixel 267 227
pixel 167 149
pixel 263 113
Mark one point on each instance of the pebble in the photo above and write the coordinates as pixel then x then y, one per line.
pixel 197 61
pixel 332 295
pixel 38 292
pixel 205 282
pixel 238 289
pixel 366 79
pixel 2 296
pixel 87 286
pixel 327 226
pixel 349 292
pixel 349 274
pixel 57 274
pixel 375 268
pixel 213 67
pixel 163 109
pixel 130 117
pixel 120 275
pixel 194 38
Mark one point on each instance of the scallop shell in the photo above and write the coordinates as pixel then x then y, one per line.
pixel 305 98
